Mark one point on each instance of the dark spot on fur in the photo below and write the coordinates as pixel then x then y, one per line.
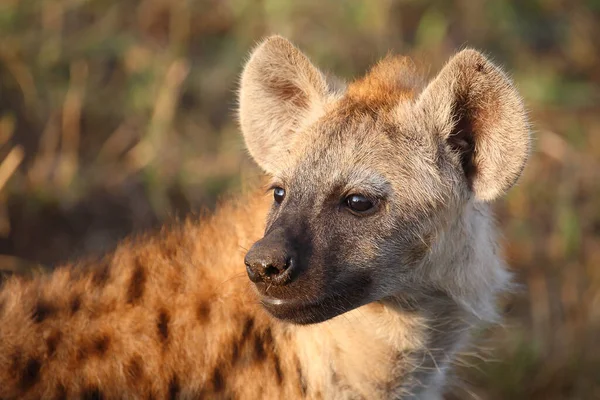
pixel 203 312
pixel 163 325
pixel 100 345
pixel 248 325
pixel 92 393
pixel 135 370
pixel 42 310
pixel 204 394
pixel 268 338
pixel 278 370
pixel 81 354
pixel 137 283
pixel 174 388
pixel 335 379
pixel 61 392
pixel 30 374
pixel 2 306
pixel 101 274
pixel 259 348
pixel 479 67
pixel 262 344
pixel 301 379
pixel 218 381
pixel 52 342
pixel 244 337
pixel 75 304
pixel 235 352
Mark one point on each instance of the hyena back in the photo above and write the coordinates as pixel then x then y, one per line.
pixel 377 256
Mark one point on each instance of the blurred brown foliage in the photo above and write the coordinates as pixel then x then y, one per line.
pixel 118 114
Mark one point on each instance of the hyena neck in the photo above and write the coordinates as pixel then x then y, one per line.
pixel 381 350
pixel 402 347
pixel 466 264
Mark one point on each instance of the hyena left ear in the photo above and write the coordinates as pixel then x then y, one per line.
pixel 481 117
pixel 280 89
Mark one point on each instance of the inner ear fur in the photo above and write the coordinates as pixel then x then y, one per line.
pixel 280 88
pixel 481 117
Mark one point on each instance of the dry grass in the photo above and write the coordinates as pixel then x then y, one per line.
pixel 116 115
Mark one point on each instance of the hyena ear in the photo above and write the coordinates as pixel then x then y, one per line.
pixel 280 89
pixel 482 119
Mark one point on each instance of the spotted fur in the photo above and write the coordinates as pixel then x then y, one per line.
pixel 173 314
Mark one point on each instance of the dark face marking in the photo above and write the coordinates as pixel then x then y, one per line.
pixel 92 393
pixel 203 312
pixel 218 381
pixel 163 325
pixel 174 388
pixel 324 284
pixel 137 283
pixel 52 342
pixel 42 310
pixel 30 374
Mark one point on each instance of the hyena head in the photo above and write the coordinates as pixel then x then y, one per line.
pixel 367 179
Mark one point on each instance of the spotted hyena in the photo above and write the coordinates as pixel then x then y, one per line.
pixel 378 252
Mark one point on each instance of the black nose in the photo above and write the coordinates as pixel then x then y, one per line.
pixel 269 264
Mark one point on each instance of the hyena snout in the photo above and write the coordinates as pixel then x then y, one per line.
pixel 269 261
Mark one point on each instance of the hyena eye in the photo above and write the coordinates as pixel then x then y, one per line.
pixel 278 194
pixel 359 203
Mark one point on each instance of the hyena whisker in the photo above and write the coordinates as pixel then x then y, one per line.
pixel 238 276
pixel 463 386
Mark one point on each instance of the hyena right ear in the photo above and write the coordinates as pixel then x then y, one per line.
pixel 280 89
pixel 473 105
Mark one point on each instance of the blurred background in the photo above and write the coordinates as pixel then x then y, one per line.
pixel 116 115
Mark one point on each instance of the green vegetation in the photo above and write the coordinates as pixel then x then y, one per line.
pixel 116 115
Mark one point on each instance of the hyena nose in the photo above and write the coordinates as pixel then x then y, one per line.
pixel 271 266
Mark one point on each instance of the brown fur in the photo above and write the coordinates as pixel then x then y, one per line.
pixel 173 315
pixel 135 331
pixel 392 80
